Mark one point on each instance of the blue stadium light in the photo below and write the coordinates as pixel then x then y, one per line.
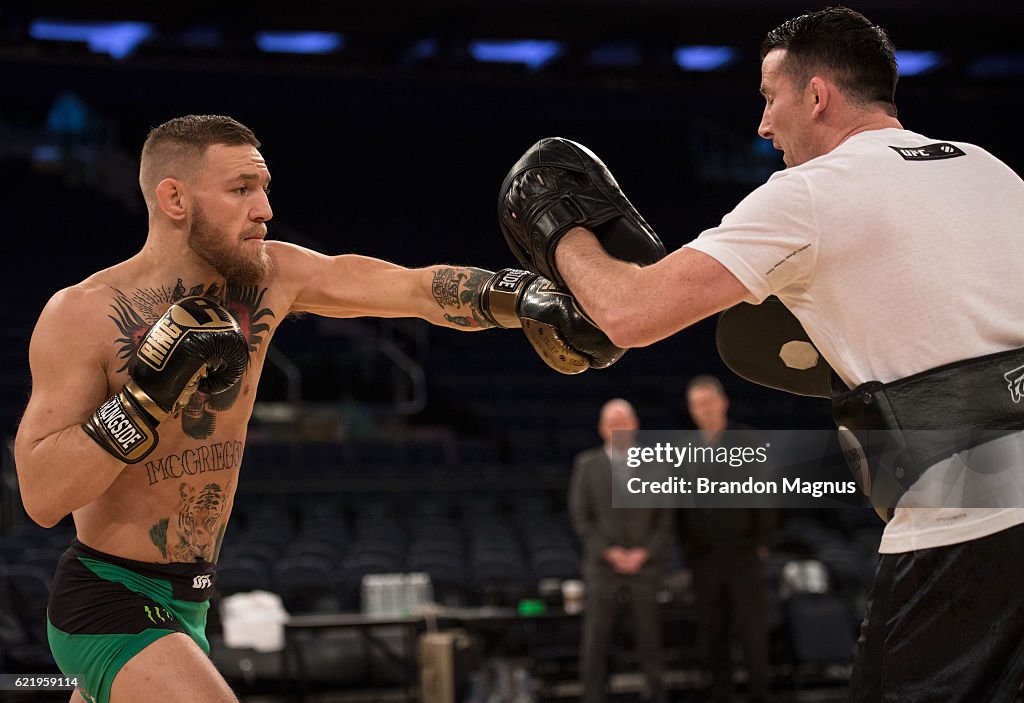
pixel 299 42
pixel 118 39
pixel 68 115
pixel 703 58
pixel 916 63
pixel 617 53
pixel 534 53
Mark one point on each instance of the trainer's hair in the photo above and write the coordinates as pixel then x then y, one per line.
pixel 843 43
pixel 705 381
pixel 175 148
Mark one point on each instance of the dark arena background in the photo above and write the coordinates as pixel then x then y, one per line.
pixel 393 447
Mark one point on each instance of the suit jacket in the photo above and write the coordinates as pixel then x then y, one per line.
pixel 720 532
pixel 600 526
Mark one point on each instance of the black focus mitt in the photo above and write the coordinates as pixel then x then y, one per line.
pixel 766 344
pixel 557 185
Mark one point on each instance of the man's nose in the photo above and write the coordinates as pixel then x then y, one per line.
pixel 262 212
pixel 765 128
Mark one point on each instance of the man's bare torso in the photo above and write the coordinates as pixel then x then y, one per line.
pixel 174 505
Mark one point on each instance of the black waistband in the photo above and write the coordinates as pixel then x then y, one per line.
pixel 191 580
pixel 929 416
pixel 980 394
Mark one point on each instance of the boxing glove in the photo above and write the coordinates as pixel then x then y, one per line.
pixel 196 344
pixel 559 331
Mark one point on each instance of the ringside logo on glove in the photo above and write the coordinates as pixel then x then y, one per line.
pixel 189 315
pixel 557 185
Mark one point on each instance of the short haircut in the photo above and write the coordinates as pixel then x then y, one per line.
pixel 174 149
pixel 705 381
pixel 846 46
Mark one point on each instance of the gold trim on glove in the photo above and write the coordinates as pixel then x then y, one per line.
pixel 548 343
pixel 500 296
pixel 147 404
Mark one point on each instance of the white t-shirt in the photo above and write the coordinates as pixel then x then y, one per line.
pixel 894 263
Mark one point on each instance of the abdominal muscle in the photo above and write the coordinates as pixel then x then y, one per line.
pixel 174 505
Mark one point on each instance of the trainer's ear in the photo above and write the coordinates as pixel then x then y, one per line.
pixel 821 93
pixel 170 198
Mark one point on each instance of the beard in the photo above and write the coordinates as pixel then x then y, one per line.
pixel 239 263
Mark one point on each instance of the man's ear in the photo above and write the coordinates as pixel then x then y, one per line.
pixel 820 94
pixel 170 198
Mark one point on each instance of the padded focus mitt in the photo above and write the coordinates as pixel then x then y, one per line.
pixel 557 185
pixel 766 344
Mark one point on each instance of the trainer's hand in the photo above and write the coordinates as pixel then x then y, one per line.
pixel 560 332
pixel 558 185
pixel 196 344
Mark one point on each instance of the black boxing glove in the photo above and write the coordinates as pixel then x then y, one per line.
pixel 557 185
pixel 196 344
pixel 562 334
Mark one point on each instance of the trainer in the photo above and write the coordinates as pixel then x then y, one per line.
pixel 902 258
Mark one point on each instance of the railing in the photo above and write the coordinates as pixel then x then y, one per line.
pixel 387 346
pixel 292 374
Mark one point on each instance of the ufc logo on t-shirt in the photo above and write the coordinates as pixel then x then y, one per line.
pixel 929 152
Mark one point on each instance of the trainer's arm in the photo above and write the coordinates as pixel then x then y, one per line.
pixel 350 285
pixel 60 468
pixel 638 306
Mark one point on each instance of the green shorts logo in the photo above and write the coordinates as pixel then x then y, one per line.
pixel 154 613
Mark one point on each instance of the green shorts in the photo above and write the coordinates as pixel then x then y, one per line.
pixel 103 610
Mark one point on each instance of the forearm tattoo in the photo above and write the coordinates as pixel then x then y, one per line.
pixel 457 292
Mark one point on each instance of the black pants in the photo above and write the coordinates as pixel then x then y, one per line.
pixel 730 596
pixel 945 625
pixel 598 620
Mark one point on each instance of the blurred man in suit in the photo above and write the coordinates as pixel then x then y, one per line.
pixel 724 547
pixel 623 551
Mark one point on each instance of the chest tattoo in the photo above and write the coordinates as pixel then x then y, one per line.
pixel 134 312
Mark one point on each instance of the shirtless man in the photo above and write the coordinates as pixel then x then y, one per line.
pixel 144 377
